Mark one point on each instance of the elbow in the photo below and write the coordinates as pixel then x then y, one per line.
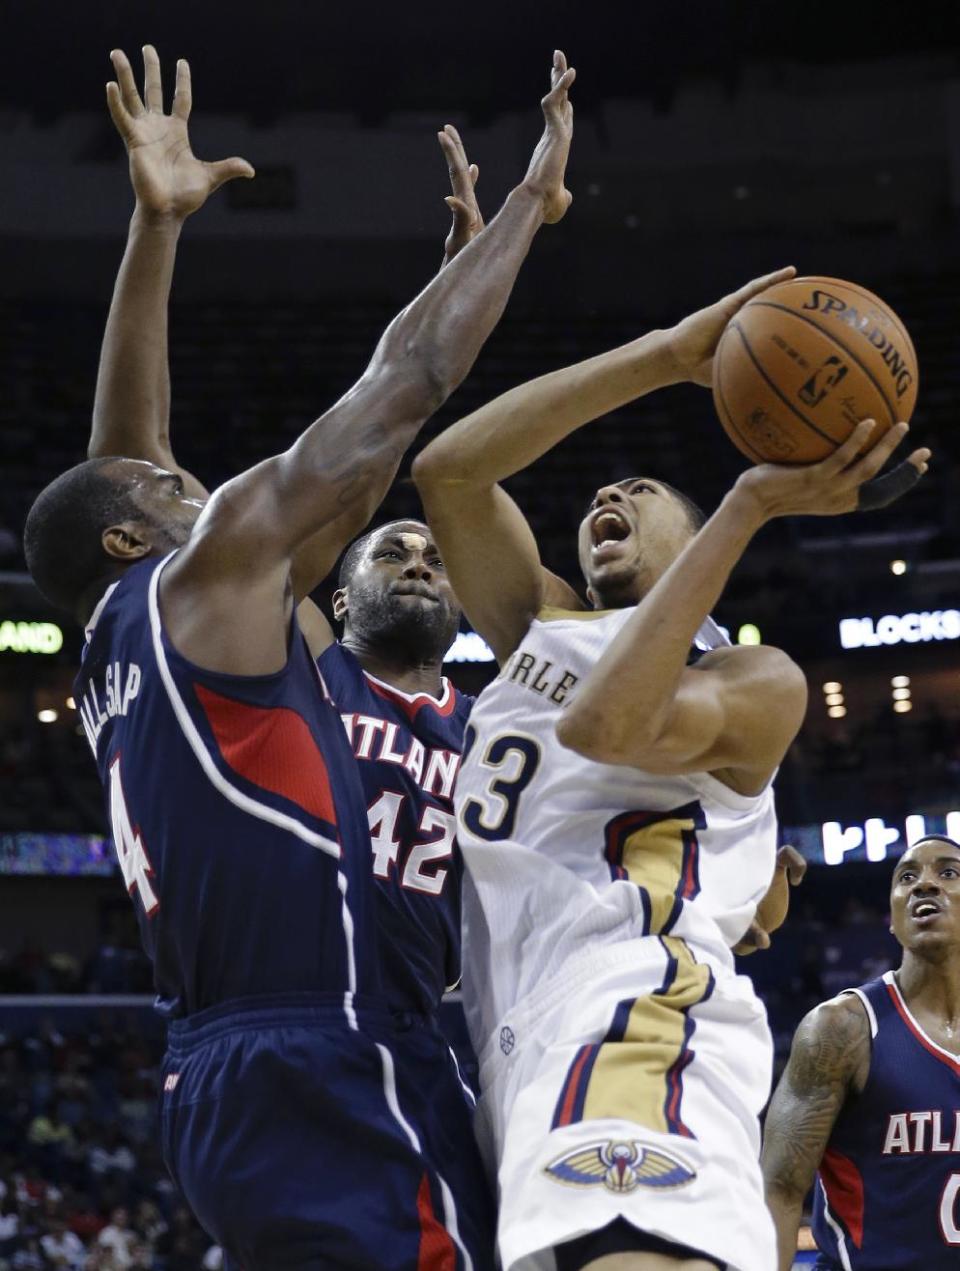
pixel 589 735
pixel 432 468
pixel 420 373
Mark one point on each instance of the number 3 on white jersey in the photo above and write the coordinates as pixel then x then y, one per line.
pixel 132 855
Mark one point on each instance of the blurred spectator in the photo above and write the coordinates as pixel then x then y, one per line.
pixel 61 1246
pixel 119 1239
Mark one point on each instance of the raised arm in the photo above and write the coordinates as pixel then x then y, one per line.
pixel 829 1061
pixel 131 408
pixel 737 710
pixel 488 547
pixel 239 556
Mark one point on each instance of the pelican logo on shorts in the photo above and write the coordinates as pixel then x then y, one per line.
pixel 620 1167
pixel 507 1039
pixel 821 381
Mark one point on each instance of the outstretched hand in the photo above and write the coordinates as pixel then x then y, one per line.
pixel 548 164
pixel 463 205
pixel 693 342
pixel 843 482
pixel 167 178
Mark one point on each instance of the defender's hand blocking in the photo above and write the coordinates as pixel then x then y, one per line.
pixel 840 483
pixel 467 219
pixel 548 165
pixel 167 178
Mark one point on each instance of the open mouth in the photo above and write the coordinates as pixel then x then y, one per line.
pixel 925 909
pixel 609 528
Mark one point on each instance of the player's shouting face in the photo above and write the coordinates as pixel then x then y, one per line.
pixel 925 896
pixel 634 529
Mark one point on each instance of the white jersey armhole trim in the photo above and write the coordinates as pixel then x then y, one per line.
pixel 230 792
pixel 868 1008
pixel 91 626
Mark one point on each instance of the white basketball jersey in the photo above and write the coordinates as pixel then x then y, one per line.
pixel 567 857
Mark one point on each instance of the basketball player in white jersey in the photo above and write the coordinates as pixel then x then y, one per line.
pixel 617 822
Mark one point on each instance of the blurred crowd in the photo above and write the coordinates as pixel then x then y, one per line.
pixel 82 1185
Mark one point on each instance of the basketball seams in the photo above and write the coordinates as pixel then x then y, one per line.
pixel 858 291
pixel 773 387
pixel 720 400
pixel 772 304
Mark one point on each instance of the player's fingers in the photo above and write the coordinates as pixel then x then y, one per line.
pixel 757 285
pixel 457 142
pixel 474 174
pixel 152 85
pixel 844 455
pixel 183 93
pixel 883 491
pixel 128 85
pixel 555 101
pixel 793 862
pixel 865 467
pixel 558 66
pixel 117 110
pixel 228 170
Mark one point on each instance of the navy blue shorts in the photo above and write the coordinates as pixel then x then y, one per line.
pixel 301 1142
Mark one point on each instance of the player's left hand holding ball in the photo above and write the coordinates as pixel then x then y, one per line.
pixel 170 182
pixel 692 343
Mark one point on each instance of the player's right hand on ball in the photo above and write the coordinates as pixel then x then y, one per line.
pixel 838 484
pixel 168 179
pixel 548 165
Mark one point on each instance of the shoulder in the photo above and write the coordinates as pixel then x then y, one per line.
pixel 832 1043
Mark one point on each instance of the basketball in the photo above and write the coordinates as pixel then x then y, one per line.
pixel 801 364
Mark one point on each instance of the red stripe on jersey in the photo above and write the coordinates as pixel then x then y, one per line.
pixel 437 1252
pixel 411 707
pixel 925 1042
pixel 272 747
pixel 571 1086
pixel 843 1184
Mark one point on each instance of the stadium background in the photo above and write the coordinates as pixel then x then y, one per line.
pixel 713 141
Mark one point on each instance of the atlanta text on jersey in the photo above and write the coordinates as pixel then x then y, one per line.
pixel 434 770
pixel 919 1133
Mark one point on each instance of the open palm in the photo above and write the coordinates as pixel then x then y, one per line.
pixel 168 179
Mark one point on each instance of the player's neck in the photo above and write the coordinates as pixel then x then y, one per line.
pixel 400 672
pixel 932 983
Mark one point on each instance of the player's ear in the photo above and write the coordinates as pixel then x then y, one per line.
pixel 340 604
pixel 125 542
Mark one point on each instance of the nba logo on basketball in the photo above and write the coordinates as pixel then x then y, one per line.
pixel 827 376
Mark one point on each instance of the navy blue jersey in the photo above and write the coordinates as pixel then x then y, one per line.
pixel 888 1192
pixel 408 749
pixel 236 809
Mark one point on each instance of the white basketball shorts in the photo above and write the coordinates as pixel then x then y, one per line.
pixel 631 1087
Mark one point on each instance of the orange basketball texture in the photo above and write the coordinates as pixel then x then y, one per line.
pixel 801 364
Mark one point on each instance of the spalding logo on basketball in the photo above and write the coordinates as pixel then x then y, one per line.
pixel 801 364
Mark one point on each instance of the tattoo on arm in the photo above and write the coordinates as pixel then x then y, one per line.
pixel 828 1061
